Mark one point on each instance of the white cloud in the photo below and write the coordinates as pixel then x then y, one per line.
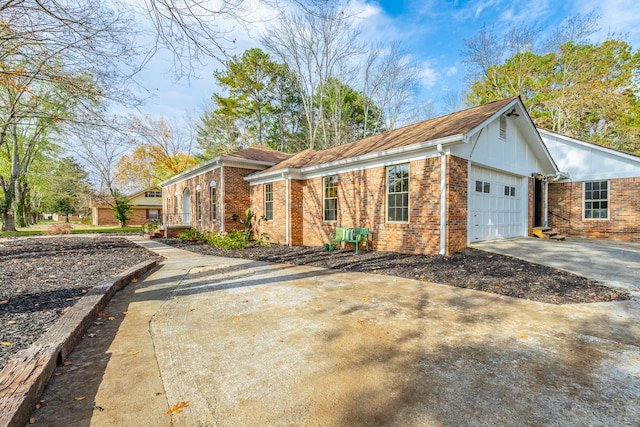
pixel 428 75
pixel 621 17
pixel 452 71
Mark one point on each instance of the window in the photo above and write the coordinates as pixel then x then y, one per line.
pixel 175 203
pixel 331 198
pixel 214 204
pixel 596 200
pixel 503 127
pixel 398 193
pixel 268 201
pixel 198 204
pixel 153 213
pixel 484 187
pixel 153 194
pixel 509 191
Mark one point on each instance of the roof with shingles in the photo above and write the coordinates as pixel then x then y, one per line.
pixel 458 123
pixel 261 154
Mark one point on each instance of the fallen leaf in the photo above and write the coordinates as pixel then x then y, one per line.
pixel 497 286
pixel 65 310
pixel 264 300
pixel 177 408
pixel 134 280
pixel 102 313
pixel 135 352
pixel 190 309
pixel 111 318
pixel 45 310
pixel 11 322
pixel 6 343
pixel 365 299
pixel 32 420
pixel 523 336
pixel 40 404
pixel 4 301
pixel 67 363
pixel 235 319
pixel 125 312
pixel 79 398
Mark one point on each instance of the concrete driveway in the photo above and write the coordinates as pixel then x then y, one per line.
pixel 616 264
pixel 247 343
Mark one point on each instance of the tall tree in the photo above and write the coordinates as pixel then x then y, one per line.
pixel 250 81
pixel 70 187
pixel 317 47
pixel 161 151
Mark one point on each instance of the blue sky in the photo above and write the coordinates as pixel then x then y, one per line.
pixel 433 32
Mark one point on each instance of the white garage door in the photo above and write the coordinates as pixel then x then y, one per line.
pixel 495 205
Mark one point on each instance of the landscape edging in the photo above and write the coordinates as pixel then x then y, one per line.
pixel 24 378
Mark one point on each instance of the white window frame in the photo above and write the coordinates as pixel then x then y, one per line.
pixel 333 180
pixel 268 204
pixel 388 184
pixel 598 200
pixel 198 204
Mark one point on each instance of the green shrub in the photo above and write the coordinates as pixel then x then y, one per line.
pixel 191 235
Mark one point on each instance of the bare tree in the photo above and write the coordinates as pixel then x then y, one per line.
pixel 390 81
pixel 316 47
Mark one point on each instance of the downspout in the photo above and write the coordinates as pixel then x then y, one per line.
pixel 545 220
pixel 287 213
pixel 443 200
pixel 222 193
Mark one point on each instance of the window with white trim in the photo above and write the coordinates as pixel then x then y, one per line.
pixel 198 204
pixel 398 193
pixel 596 200
pixel 214 201
pixel 153 194
pixel 268 201
pixel 331 198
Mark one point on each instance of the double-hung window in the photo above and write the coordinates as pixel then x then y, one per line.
pixel 198 204
pixel 398 193
pixel 331 198
pixel 268 201
pixel 596 200
pixel 214 203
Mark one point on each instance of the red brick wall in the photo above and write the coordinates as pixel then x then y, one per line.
pixel 275 229
pixel 566 206
pixel 531 205
pixel 457 203
pixel 236 199
pixel 362 203
pixel 105 217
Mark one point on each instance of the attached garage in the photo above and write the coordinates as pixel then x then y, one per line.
pixel 495 205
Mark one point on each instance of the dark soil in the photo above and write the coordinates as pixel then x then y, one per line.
pixel 40 277
pixel 471 268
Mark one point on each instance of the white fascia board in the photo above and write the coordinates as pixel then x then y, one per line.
pixel 493 117
pixel 274 176
pixel 215 164
pixel 365 159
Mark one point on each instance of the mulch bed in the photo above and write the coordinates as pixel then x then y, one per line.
pixel 471 268
pixel 41 277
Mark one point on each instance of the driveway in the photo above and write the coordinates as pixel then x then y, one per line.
pixel 247 343
pixel 616 264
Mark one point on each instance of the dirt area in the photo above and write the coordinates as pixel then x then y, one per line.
pixel 41 277
pixel 472 269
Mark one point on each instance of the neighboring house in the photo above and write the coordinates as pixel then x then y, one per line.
pixel 600 196
pixel 147 205
pixel 431 187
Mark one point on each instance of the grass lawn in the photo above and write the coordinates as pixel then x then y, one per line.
pixel 47 227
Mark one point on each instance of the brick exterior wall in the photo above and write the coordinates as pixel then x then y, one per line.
pixel 457 203
pixel 104 216
pixel 566 210
pixel 362 203
pixel 275 229
pixel 236 200
pixel 531 185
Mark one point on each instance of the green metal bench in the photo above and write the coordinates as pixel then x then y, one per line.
pixel 351 235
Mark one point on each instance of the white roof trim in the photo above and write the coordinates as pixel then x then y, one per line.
pixel 590 145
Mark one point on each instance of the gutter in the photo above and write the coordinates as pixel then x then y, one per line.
pixel 287 209
pixel 443 200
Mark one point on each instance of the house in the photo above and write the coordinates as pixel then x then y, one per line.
pixel 599 197
pixel 147 205
pixel 428 188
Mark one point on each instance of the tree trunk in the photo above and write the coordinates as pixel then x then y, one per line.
pixel 8 220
